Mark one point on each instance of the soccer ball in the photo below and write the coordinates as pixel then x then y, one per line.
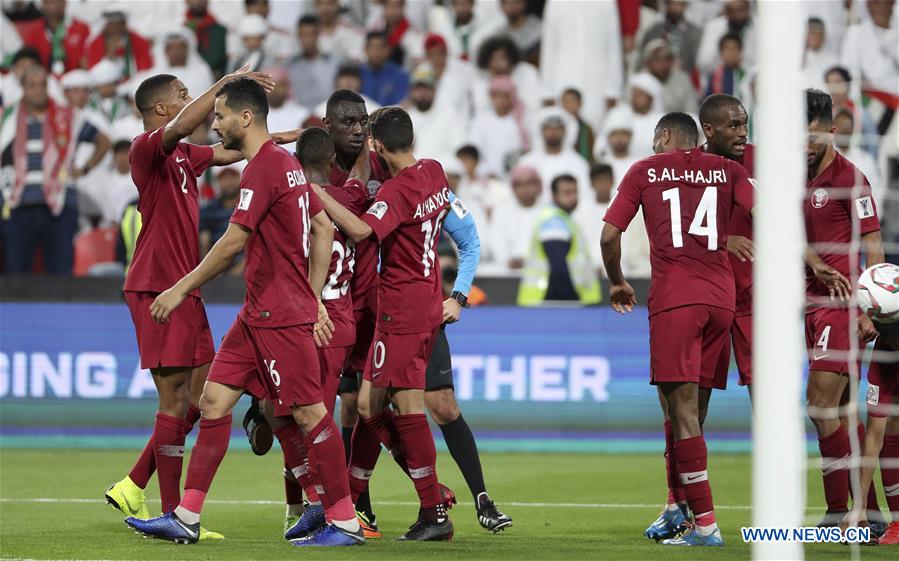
pixel 878 293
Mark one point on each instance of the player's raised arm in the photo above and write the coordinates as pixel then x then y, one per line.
pixel 222 156
pixel 197 110
pixel 215 263
pixel 361 169
pixel 349 223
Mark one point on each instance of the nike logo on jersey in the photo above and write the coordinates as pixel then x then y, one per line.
pixel 179 160
pixel 891 490
pixel 375 374
pixel 816 357
pixel 183 181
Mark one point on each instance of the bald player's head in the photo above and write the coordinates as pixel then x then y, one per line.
pixel 724 123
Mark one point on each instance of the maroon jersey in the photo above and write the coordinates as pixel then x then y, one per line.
pixel 365 279
pixel 741 225
pixel 406 218
pixel 687 198
pixel 336 295
pixel 831 204
pixel 276 204
pixel 168 244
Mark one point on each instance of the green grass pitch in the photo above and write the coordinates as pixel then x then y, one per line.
pixel 566 507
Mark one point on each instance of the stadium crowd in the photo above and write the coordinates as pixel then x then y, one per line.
pixel 524 102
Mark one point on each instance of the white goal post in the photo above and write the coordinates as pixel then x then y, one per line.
pixel 778 437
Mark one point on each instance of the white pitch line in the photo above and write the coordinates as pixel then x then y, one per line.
pixel 51 559
pixel 393 503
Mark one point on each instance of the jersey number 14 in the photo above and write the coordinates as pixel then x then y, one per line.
pixel 705 218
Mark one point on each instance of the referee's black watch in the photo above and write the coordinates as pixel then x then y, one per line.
pixel 460 297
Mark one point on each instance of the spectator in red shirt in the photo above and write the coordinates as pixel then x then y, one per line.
pixel 60 40
pixel 121 45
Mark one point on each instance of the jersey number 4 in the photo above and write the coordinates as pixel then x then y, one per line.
pixel 705 218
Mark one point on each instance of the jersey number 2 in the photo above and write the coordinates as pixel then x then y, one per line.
pixel 705 219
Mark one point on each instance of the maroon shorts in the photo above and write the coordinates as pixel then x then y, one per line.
pixel 330 362
pixel 279 364
pixel 400 361
pixel 741 338
pixel 185 341
pixel 689 344
pixel 883 383
pixel 365 332
pixel 827 340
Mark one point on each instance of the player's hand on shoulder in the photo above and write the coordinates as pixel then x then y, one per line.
pixel 264 79
pixel 742 247
pixel 362 166
pixel 837 284
pixel 164 304
pixel 622 297
pixel 452 310
pixel 323 330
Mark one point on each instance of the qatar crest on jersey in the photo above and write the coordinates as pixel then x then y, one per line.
pixel 372 187
pixel 820 198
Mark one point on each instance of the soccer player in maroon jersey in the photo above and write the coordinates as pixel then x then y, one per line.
pixel 837 195
pixel 406 217
pixel 346 119
pixel 270 349
pixel 687 197
pixel 724 123
pixel 178 354
pixel 315 151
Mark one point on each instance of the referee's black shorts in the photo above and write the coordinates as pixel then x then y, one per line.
pixel 438 376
